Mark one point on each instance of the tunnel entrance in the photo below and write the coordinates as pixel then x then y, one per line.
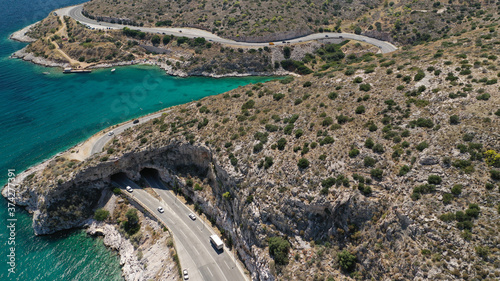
pixel 149 172
pixel 118 176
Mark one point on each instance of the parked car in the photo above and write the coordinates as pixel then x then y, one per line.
pixel 160 209
pixel 111 133
pixel 326 35
pixel 129 189
pixel 185 274
pixel 136 121
pixel 192 216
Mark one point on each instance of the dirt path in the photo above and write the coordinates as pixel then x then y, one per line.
pixel 63 32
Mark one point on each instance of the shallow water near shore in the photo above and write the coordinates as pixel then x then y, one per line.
pixel 43 114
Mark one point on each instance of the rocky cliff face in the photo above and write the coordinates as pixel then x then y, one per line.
pixel 71 202
pixel 390 163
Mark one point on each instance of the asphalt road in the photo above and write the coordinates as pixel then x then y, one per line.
pixel 76 13
pixel 192 241
pixel 104 139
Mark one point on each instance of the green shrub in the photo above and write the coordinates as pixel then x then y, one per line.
pixel 341 119
pixel 456 189
pixel 447 217
pixel 298 133
pixel 484 96
pixel 495 174
pixel 353 153
pixel 434 179
pixel 422 189
pixel 258 147
pixel 101 214
pixel 303 163
pixel 419 76
pixel 347 261
pixel 271 128
pixel 421 146
pixel 281 143
pixel 288 129
pixel 369 143
pixel 423 122
pixel 404 170
pixel 131 225
pixel 334 95
pixel 155 40
pixel 447 198
pixel 482 251
pixel 248 105
pixel 378 148
pixel 278 96
pixel 278 249
pixel 365 87
pixel 369 162
pixel 360 109
pixel 327 121
pixel 326 140
pixel 377 173
pixel 454 119
pixel 267 162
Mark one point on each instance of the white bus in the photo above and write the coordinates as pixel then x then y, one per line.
pixel 217 242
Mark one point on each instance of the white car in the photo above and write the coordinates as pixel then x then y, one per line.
pixel 185 274
pixel 192 216
pixel 160 209
pixel 129 189
pixel 111 133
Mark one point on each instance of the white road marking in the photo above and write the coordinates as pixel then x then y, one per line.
pixel 196 250
pixel 210 271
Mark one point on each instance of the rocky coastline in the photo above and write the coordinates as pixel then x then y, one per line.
pixel 150 261
pixel 168 68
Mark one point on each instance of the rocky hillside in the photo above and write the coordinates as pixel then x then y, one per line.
pixel 63 41
pixel 371 167
pixel 405 21
pixel 244 19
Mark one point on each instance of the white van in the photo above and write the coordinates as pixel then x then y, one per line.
pixel 217 242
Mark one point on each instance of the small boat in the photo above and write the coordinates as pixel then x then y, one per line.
pixel 45 73
pixel 113 70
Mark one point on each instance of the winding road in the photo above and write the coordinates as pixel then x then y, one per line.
pixel 75 12
pixel 192 237
pixel 195 251
pixel 99 144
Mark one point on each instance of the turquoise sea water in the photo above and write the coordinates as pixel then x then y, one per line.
pixel 41 115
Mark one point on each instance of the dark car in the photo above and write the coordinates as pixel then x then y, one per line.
pixel 135 121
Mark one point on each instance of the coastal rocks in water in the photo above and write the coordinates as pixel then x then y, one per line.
pixel 21 36
pixel 150 261
pixel 26 56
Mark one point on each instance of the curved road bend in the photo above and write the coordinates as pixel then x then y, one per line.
pixel 104 139
pixel 192 242
pixel 76 13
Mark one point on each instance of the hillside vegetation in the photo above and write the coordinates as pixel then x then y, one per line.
pixel 366 167
pixel 405 21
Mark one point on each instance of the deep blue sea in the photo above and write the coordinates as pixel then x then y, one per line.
pixel 41 115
